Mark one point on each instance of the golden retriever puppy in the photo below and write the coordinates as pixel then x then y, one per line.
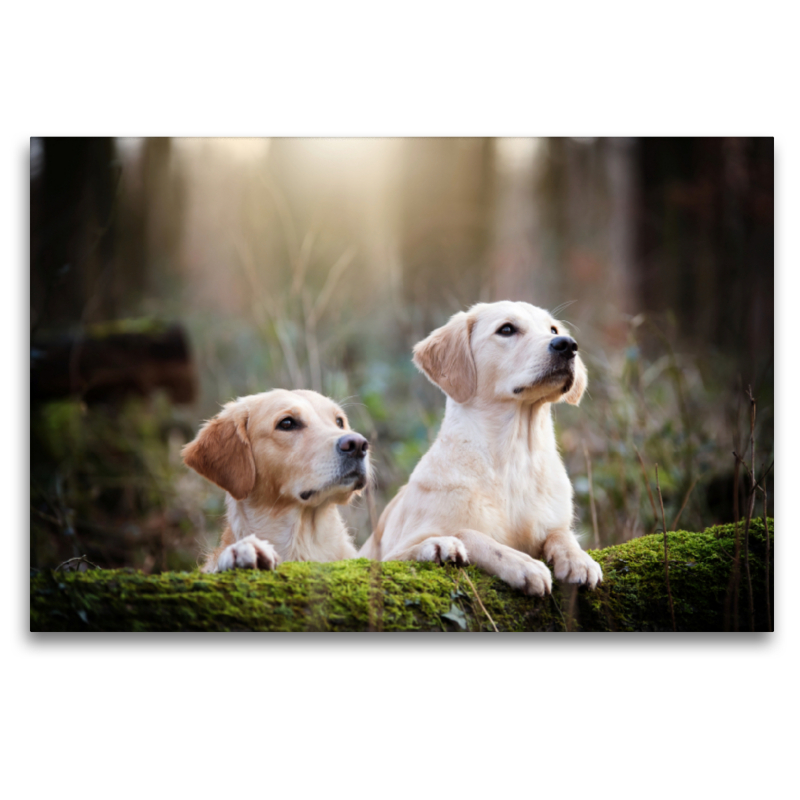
pixel 286 459
pixel 492 490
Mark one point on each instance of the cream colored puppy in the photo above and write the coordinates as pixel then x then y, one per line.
pixel 492 490
pixel 285 459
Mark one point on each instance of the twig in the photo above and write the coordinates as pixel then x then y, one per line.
pixel 741 461
pixel 48 517
pixel 680 391
pixel 478 598
pixel 647 484
pixel 373 512
pixel 82 559
pixel 666 556
pixel 766 574
pixel 573 602
pixel 591 498
pixel 266 317
pixel 750 505
pixel 623 487
pixel 375 601
pixel 334 274
pixel 285 216
pixel 312 344
pixel 558 608
pixel 685 501
pixel 723 550
pixel 300 263
pixel 764 475
pixel 733 583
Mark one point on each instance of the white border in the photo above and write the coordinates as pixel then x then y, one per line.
pixel 175 716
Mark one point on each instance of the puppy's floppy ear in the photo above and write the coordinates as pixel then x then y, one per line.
pixel 222 453
pixel 579 385
pixel 446 358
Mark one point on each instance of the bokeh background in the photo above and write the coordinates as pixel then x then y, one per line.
pixel 169 275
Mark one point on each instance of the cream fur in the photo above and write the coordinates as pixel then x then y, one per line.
pixel 268 473
pixel 493 480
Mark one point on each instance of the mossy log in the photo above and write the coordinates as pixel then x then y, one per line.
pixel 111 361
pixel 361 595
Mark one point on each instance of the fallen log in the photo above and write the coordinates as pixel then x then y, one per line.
pixel 112 361
pixel 361 595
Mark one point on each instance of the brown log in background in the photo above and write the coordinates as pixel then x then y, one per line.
pixel 106 368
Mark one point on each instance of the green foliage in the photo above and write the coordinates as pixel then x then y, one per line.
pixel 360 595
pixel 296 270
pixel 105 481
pixel 675 410
pixel 110 482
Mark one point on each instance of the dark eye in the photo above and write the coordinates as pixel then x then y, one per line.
pixel 340 422
pixel 554 330
pixel 288 424
pixel 506 330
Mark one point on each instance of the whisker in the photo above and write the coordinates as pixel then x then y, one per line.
pixel 572 325
pixel 558 309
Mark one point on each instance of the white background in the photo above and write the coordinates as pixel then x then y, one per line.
pixel 114 716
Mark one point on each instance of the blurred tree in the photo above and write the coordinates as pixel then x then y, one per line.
pixel 704 245
pixel 72 231
pixel 151 222
pixel 445 222
pixel 320 262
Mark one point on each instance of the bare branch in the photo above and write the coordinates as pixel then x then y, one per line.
pixel 591 498
pixel 750 505
pixel 478 598
pixel 74 563
pixel 334 274
pixel 766 559
pixel 685 501
pixel 647 484
pixel 666 555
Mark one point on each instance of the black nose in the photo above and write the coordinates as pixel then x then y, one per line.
pixel 564 346
pixel 353 445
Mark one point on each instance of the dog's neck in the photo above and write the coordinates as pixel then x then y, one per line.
pixel 297 533
pixel 503 431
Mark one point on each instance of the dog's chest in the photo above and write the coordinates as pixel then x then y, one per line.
pixel 535 498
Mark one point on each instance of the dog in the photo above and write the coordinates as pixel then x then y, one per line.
pixel 492 489
pixel 286 459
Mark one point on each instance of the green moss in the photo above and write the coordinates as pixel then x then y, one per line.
pixel 361 595
pixel 634 595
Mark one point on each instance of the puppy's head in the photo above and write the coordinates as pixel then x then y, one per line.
pixel 281 448
pixel 504 351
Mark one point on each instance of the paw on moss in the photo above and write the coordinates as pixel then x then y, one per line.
pixel 361 595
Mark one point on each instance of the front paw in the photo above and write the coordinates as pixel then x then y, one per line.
pixel 528 575
pixel 248 553
pixel 576 566
pixel 442 549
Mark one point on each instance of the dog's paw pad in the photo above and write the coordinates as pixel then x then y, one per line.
pixel 443 549
pixel 249 553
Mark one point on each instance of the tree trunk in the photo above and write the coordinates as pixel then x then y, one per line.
pixel 361 595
